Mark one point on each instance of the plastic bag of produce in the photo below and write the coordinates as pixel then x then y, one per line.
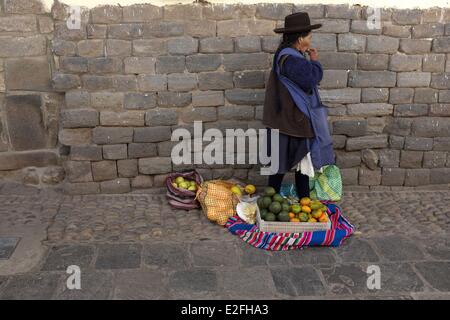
pixel 182 188
pixel 217 200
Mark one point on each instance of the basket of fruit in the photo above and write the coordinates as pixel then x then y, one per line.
pixel 282 215
pixel 182 188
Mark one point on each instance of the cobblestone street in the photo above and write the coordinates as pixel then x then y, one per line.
pixel 135 246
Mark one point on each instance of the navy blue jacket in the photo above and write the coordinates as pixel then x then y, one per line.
pixel 305 73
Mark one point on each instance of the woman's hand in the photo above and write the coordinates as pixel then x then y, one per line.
pixel 313 54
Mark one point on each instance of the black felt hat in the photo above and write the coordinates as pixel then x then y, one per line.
pixel 297 22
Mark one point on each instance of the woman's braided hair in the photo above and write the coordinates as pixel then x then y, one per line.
pixel 287 41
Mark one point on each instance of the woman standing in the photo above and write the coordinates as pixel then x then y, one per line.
pixel 292 105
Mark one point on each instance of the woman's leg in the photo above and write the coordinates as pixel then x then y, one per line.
pixel 302 184
pixel 275 181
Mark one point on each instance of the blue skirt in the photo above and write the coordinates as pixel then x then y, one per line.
pixel 291 150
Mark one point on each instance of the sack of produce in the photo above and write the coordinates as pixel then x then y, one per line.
pixel 327 185
pixel 219 199
pixel 182 188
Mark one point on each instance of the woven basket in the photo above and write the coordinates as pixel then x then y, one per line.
pixel 291 227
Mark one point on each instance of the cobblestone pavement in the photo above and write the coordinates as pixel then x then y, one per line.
pixel 135 247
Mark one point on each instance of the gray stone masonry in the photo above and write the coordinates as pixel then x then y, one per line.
pixel 102 101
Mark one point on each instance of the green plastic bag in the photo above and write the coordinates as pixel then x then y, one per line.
pixel 326 185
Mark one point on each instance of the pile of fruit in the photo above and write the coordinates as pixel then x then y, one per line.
pixel 238 190
pixel 274 207
pixel 183 183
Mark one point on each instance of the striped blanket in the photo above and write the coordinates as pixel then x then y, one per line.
pixel 340 230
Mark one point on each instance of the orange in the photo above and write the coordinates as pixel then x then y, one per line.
pixel 323 218
pixel 305 201
pixel 306 209
pixel 291 215
pixel 294 220
pixel 317 213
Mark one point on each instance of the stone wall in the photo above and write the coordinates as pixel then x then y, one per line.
pixel 131 75
pixel 29 107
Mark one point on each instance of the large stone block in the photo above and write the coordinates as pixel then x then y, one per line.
pixel 323 42
pixel 364 142
pixel 88 153
pixel 415 46
pixel 19 160
pixel 127 168
pixel 236 113
pixel 351 42
pixel 174 99
pixel 411 159
pixel 107 100
pixel 18 24
pixel 417 177
pixel 339 60
pixel 149 47
pixel 78 171
pixel 140 100
pixel 25 122
pixel 137 65
pixel 413 79
pixel 152 134
pixel 182 81
pixel 183 12
pixel 122 119
pixel 248 44
pixel 368 177
pixel 207 98
pixel 104 170
pixel 418 143
pixel 360 78
pixel 206 114
pixel 64 82
pixel 351 128
pixel 410 110
pixel 200 28
pixel 393 176
pixel 24 6
pixel 182 46
pixel 403 62
pixel 246 61
pixel 431 127
pixel 105 65
pixel 163 29
pixel 75 137
pixel 203 62
pixel 157 165
pixel 28 74
pixel 382 44
pixel 112 135
pixel 79 118
pixel 161 117
pixel 244 27
pixel 142 13
pixel 245 96
pixel 373 61
pixel 152 82
pixel 125 31
pixel 142 150
pixel 215 80
pixel 249 79
pixel 344 95
pixel 94 82
pixel 370 109
pixel 115 151
pixel 333 79
pixel 106 14
pixel 170 64
pixel 216 45
pixel 116 186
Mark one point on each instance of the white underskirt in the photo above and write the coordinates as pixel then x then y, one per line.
pixel 305 166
